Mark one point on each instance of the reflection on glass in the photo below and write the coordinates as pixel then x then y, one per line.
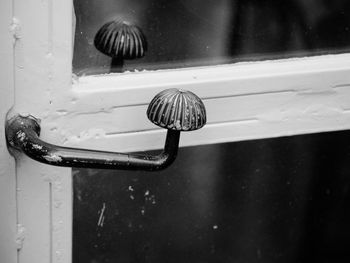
pixel 273 200
pixel 185 33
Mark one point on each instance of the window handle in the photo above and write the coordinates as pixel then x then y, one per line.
pixel 173 109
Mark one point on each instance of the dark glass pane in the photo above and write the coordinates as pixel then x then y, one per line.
pixel 272 200
pixel 186 33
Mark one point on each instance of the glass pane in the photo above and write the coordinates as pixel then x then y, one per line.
pixel 273 200
pixel 186 33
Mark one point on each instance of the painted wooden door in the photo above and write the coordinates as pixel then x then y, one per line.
pixel 244 101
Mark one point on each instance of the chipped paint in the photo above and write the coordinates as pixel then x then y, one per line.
pixel 21 135
pixel 85 135
pixel 15 29
pixel 52 158
pixel 20 237
pixel 37 147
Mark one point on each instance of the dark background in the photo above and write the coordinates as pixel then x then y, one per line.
pixel 273 200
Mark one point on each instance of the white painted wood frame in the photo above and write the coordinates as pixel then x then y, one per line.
pixel 8 221
pixel 244 101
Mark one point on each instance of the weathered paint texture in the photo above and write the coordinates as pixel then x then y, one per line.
pixel 243 101
pixel 41 38
pixel 8 224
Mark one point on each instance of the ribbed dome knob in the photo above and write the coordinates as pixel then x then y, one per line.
pixel 177 110
pixel 121 39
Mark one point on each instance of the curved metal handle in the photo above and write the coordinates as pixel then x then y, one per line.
pixel 23 133
pixel 184 111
